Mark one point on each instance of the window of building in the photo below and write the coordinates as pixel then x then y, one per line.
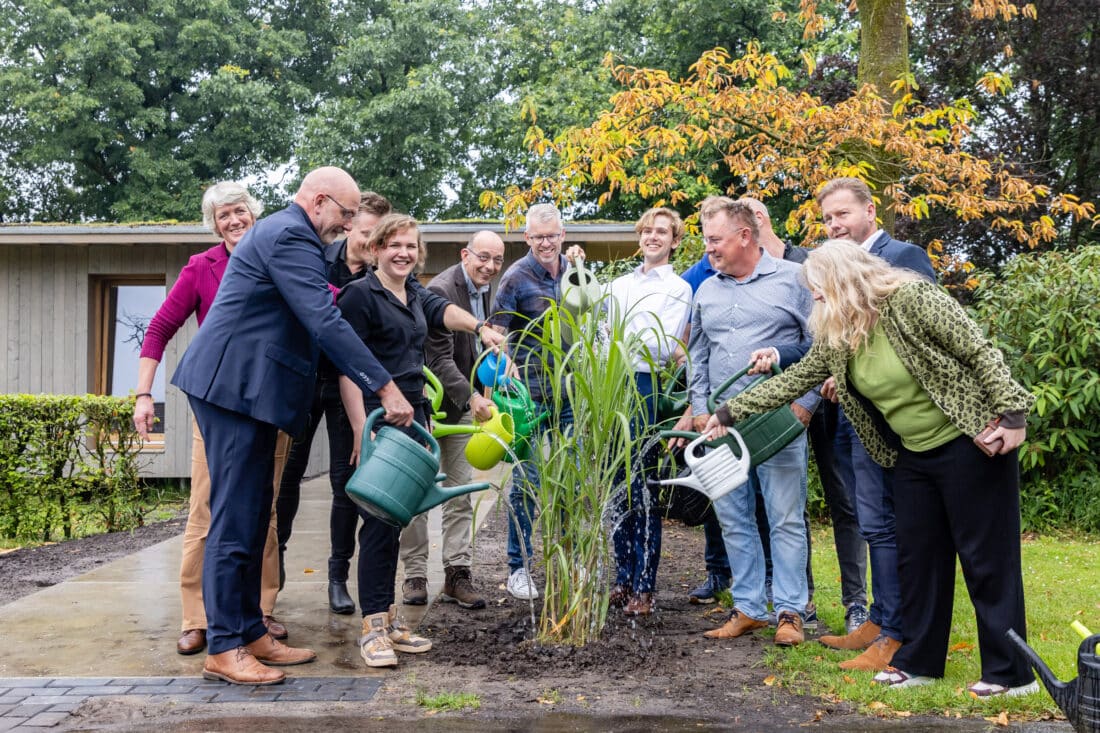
pixel 123 308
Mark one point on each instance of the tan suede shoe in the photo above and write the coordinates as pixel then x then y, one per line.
pixel 858 640
pixel 268 650
pixel 239 667
pixel 737 625
pixel 789 629
pixel 876 657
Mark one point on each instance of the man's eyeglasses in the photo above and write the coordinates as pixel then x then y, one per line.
pixel 543 238
pixel 345 212
pixel 483 257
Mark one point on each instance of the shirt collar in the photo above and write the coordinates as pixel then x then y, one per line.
pixel 537 267
pixel 765 266
pixel 474 290
pixel 867 243
pixel 661 272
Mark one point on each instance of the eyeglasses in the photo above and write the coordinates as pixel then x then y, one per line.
pixel 715 241
pixel 345 212
pixel 484 257
pixel 543 238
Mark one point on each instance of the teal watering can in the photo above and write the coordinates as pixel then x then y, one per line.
pixel 514 399
pixel 396 478
pixel 764 435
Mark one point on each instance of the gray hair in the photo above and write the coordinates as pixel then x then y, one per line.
pixel 542 213
pixel 223 193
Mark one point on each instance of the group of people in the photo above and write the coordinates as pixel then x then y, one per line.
pixel 889 375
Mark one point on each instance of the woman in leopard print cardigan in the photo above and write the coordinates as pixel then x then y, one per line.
pixel 919 380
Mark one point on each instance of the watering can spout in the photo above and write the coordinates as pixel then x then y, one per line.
pixel 1064 693
pixel 439 494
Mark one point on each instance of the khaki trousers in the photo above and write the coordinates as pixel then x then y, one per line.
pixel 458 514
pixel 198 523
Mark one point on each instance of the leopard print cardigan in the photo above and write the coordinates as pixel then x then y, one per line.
pixel 944 350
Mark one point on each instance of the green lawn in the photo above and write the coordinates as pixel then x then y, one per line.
pixel 1062 584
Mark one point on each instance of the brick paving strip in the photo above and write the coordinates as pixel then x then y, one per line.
pixel 43 702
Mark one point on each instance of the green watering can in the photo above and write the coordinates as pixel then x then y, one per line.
pixel 514 399
pixel 484 450
pixel 672 400
pixel 765 434
pixel 396 478
pixel 579 288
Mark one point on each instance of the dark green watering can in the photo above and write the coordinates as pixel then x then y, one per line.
pixel 514 399
pixel 397 479
pixel 765 434
pixel 672 399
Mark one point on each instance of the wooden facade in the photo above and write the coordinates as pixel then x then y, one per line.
pixel 52 281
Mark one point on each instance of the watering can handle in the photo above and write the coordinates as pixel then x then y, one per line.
pixel 433 445
pixel 436 389
pixel 712 401
pixel 690 435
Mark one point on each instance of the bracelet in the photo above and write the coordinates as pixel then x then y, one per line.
pixel 144 394
pixel 478 326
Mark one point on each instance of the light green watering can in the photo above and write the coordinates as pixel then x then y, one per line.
pixel 489 440
pixel 396 478
pixel 579 288
pixel 514 399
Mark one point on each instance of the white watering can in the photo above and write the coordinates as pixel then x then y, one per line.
pixel 716 473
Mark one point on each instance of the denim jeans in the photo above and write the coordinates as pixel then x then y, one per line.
pixel 637 534
pixel 521 496
pixel 782 480
pixel 873 498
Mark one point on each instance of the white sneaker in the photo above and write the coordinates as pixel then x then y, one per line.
pixel 520 585
pixel 982 689
pixel 893 678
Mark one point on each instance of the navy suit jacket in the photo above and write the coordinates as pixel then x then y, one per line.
pixel 257 351
pixel 903 254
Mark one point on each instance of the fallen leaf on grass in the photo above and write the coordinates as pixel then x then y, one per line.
pixel 848 680
pixel 962 646
pixel 1001 721
pixel 877 705
pixel 903 713
pixel 769 680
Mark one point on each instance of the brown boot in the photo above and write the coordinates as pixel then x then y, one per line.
pixel 414 591
pixel 789 631
pixel 459 588
pixel 642 604
pixel 737 625
pixel 191 641
pixel 876 657
pixel 239 667
pixel 858 640
pixel 268 650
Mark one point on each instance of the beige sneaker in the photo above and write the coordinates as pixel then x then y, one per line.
pixel 401 636
pixel 375 645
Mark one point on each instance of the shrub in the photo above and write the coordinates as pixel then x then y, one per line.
pixel 1042 312
pixel 66 460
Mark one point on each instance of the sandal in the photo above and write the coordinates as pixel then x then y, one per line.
pixel 894 677
pixel 982 688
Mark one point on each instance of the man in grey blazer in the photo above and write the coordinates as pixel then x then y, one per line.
pixel 248 373
pixel 451 356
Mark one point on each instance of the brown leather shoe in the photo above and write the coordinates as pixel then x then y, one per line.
pixel 191 641
pixel 269 651
pixel 789 629
pixel 642 604
pixel 737 625
pixel 239 667
pixel 858 640
pixel 619 596
pixel 275 628
pixel 876 657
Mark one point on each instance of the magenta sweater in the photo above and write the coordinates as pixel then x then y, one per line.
pixel 193 292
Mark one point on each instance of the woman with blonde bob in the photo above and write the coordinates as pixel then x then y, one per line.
pixel 919 381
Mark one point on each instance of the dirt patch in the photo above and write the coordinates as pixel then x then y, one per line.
pixel 31 569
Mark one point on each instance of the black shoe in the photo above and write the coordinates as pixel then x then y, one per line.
pixel 338 599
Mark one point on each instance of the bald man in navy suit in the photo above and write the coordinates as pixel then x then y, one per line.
pixel 248 373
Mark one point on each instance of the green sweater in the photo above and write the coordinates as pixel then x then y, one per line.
pixel 945 352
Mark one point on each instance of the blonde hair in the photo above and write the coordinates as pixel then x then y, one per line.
pixel 392 224
pixel 854 283
pixel 647 219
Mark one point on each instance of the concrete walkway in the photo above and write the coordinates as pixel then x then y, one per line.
pixel 114 630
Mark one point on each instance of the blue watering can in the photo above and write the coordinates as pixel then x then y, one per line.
pixel 396 478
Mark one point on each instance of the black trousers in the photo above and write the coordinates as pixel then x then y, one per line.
pixel 954 501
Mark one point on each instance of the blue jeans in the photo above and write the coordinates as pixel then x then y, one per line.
pixel 637 535
pixel 782 481
pixel 521 497
pixel 873 498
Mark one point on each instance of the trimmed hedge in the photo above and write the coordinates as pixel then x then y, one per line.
pixel 67 461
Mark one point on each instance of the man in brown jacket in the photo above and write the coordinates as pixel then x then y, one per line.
pixel 451 357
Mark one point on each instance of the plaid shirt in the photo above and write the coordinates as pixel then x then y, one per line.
pixel 525 292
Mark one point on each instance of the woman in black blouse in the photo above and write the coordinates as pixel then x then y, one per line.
pixel 392 313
